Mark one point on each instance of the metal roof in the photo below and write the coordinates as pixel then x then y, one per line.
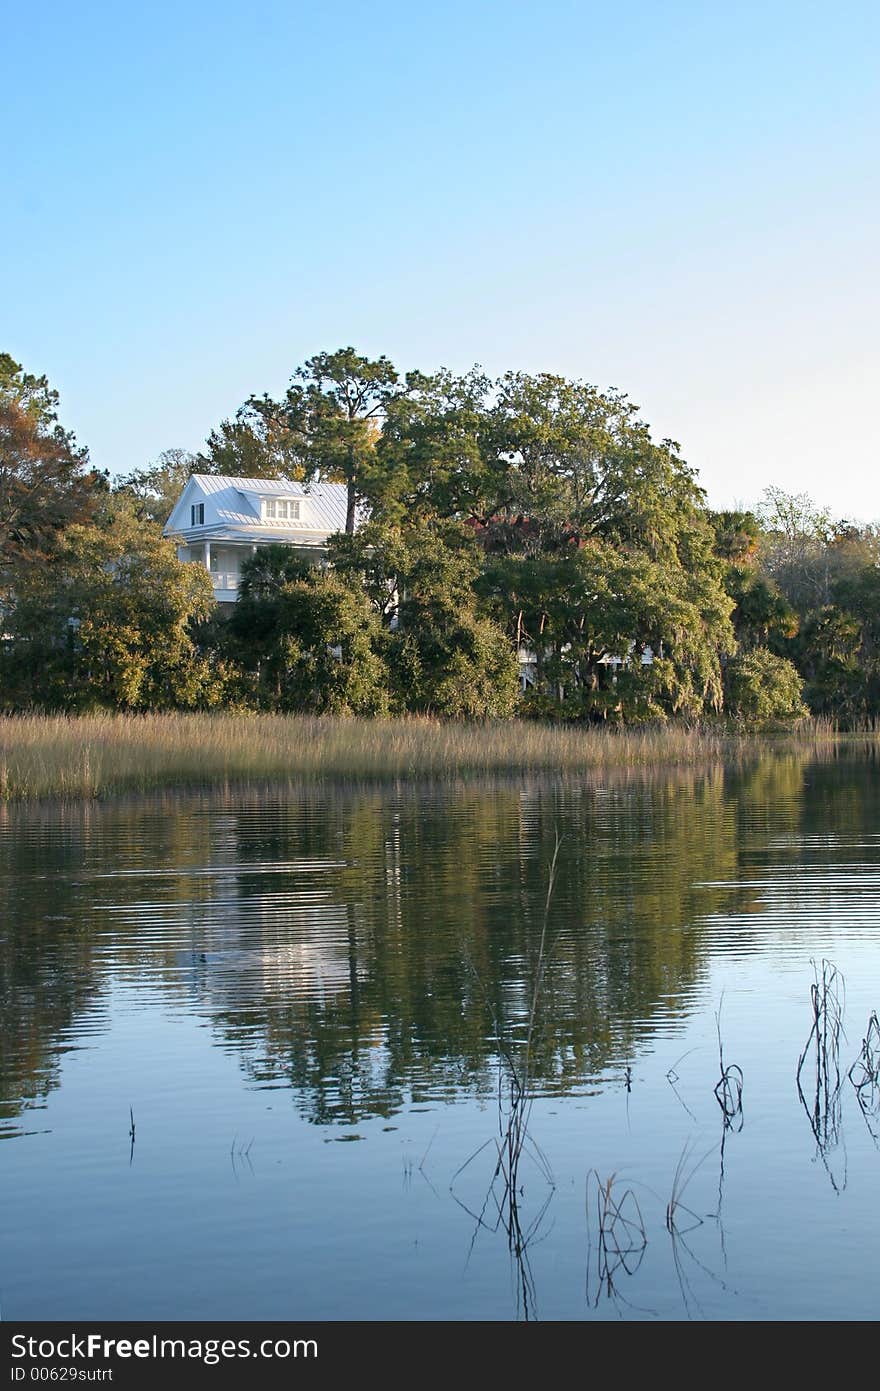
pixel 239 508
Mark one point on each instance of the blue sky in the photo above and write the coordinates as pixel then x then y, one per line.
pixel 676 199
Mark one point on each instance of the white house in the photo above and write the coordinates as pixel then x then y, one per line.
pixel 218 521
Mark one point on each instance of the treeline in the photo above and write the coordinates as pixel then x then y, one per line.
pixel 528 524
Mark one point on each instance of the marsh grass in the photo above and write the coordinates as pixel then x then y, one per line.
pixel 819 1066
pixel 728 1088
pixel 865 1077
pixel 513 1142
pixel 43 756
pixel 616 1239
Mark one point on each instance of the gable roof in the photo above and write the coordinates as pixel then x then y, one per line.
pixel 236 502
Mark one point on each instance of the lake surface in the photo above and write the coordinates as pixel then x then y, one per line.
pixel 311 1005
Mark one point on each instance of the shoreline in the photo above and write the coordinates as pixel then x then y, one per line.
pixel 89 757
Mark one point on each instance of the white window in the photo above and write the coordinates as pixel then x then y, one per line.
pixel 281 509
pixel 197 514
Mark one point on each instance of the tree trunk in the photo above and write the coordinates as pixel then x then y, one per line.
pixel 350 511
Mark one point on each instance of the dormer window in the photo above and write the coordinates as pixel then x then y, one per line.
pixel 281 509
pixel 197 514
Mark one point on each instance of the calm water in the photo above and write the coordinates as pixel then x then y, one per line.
pixel 301 1000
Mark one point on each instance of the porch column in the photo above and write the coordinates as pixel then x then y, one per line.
pixel 208 556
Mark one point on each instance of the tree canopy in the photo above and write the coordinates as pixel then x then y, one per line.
pixel 305 639
pixel 45 482
pixel 330 420
pixel 109 623
pixel 516 544
pixel 155 489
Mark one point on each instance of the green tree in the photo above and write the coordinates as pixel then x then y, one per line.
pixel 45 483
pixel 614 633
pixel 762 613
pixel 858 593
pixel 580 463
pixel 596 540
pixel 434 453
pixel 375 559
pixel 540 462
pixel 257 443
pixel 331 420
pixel 109 623
pixel 828 653
pixel 737 536
pixel 446 655
pixel 764 689
pixel 306 639
pixel 156 488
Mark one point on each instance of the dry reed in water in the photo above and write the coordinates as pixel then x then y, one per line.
pixel 96 755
